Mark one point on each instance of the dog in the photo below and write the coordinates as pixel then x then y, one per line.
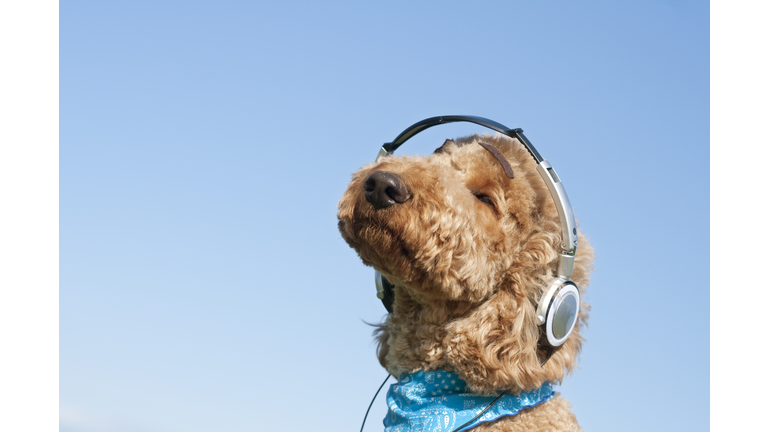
pixel 470 238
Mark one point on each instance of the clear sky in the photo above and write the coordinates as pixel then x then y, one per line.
pixel 204 145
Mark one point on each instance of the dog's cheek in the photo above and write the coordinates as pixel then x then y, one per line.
pixel 484 256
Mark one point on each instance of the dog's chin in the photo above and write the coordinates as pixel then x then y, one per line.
pixel 379 246
pixel 372 242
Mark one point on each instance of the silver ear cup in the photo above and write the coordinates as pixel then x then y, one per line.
pixel 385 291
pixel 379 285
pixel 558 310
pixel 562 315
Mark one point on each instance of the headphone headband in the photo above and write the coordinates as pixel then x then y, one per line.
pixel 434 121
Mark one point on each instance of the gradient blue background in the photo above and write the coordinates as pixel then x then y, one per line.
pixel 204 146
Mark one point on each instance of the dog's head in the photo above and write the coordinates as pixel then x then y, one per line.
pixel 470 238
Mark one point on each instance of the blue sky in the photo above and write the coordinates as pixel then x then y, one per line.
pixel 204 146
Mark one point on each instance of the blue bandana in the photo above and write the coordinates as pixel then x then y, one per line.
pixel 438 401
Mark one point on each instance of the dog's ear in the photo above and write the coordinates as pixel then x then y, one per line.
pixel 442 147
pixel 500 345
pixel 497 348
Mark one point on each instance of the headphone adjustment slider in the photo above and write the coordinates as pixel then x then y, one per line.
pixel 382 152
pixel 565 265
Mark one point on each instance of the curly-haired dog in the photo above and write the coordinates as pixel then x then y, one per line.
pixel 470 251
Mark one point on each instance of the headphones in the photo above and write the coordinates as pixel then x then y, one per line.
pixel 559 307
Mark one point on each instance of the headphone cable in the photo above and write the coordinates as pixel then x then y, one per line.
pixel 481 412
pixel 374 398
pixel 455 430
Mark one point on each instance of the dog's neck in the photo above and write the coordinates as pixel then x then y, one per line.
pixel 428 310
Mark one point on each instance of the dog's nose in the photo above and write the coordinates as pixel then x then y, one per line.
pixel 384 189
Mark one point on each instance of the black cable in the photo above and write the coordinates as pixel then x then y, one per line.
pixel 550 350
pixel 374 398
pixel 481 412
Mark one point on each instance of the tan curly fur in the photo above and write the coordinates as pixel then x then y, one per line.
pixel 469 272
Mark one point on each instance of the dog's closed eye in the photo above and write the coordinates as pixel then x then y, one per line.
pixel 485 199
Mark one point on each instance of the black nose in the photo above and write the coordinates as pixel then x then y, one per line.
pixel 383 189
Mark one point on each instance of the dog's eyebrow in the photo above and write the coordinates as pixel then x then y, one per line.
pixel 499 157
